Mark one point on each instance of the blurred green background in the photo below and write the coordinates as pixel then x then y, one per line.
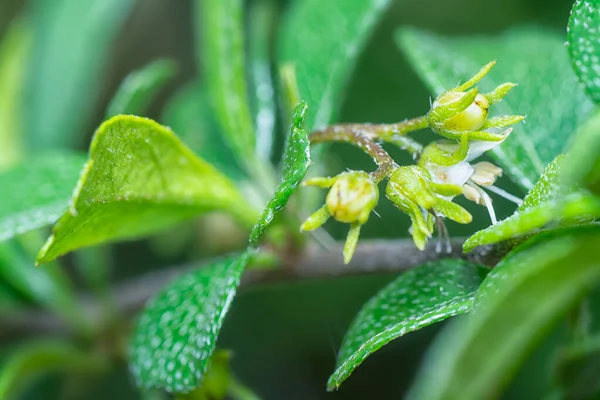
pixel 285 337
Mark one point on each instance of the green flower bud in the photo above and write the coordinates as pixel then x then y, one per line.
pixel 471 119
pixel 352 197
pixel 463 110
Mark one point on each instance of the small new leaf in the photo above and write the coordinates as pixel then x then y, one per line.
pixel 296 162
pixel 425 295
pixel 177 333
pixel 139 179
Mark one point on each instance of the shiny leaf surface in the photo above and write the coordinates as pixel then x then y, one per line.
pixel 177 333
pixel 423 296
pixel 583 42
pixel 139 179
pixel 296 162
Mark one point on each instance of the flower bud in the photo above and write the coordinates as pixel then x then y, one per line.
pixel 471 119
pixel 352 197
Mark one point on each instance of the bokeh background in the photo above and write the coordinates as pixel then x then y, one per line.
pixel 285 337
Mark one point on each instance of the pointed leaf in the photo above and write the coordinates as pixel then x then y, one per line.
pixel 543 205
pixel 188 113
pixel 177 333
pixel 425 295
pixel 322 40
pixel 547 93
pixel 29 361
pixel 547 187
pixel 296 162
pixel 221 50
pixel 517 303
pixel 140 87
pixel 139 179
pixel 583 42
pixel 71 43
pixel 37 192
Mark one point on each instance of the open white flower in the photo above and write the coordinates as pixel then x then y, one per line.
pixel 450 163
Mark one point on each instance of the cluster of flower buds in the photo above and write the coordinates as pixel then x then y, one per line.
pixel 444 168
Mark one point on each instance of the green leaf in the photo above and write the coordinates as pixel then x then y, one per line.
pixel 139 179
pixel 296 162
pixel 140 87
pixel 29 361
pixel 583 166
pixel 322 40
pixel 583 42
pixel 177 333
pixel 188 113
pixel 547 187
pixel 548 92
pixel 38 192
pixel 221 50
pixel 14 50
pixel 425 295
pixel 72 40
pixel 544 204
pixel 517 303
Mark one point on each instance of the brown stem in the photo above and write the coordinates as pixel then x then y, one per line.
pixel 385 163
pixel 381 131
pixel 374 256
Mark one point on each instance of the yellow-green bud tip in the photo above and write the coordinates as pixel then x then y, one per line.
pixel 471 119
pixel 352 197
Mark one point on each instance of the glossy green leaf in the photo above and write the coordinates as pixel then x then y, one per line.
pixel 48 286
pixel 425 295
pixel 221 50
pixel 72 40
pixel 38 192
pixel 139 179
pixel 583 166
pixel 516 305
pixel 13 56
pixel 322 41
pixel 262 15
pixel 140 87
pixel 28 362
pixel 177 333
pixel 548 92
pixel 296 162
pixel 543 205
pixel 583 42
pixel 188 113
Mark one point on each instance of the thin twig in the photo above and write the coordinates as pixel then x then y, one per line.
pixel 372 256
pixel 385 163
